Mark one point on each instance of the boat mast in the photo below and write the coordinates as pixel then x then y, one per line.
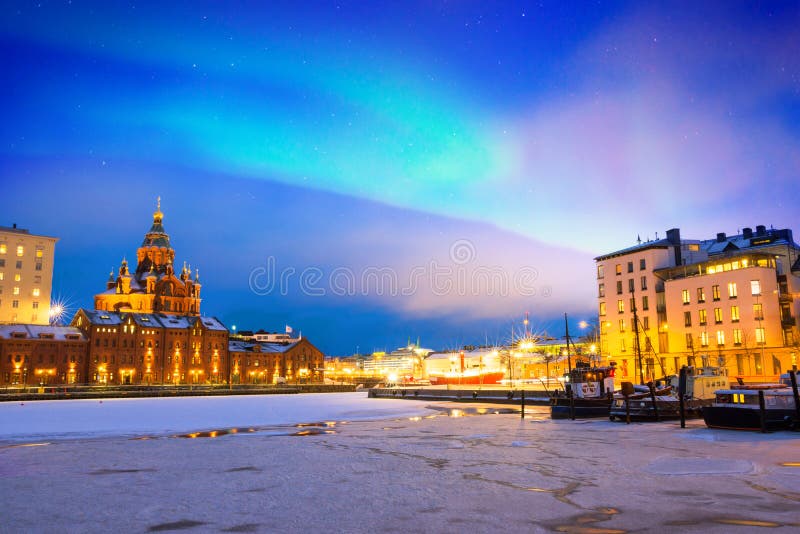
pixel 569 359
pixel 637 349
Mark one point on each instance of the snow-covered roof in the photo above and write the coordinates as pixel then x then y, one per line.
pixel 153 320
pixel 264 346
pixel 35 331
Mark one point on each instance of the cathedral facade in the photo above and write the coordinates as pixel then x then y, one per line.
pixel 154 287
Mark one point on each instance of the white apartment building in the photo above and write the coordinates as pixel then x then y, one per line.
pixel 26 276
pixel 729 301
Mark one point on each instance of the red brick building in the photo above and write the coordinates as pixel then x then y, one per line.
pixel 144 348
pixel 40 355
pixel 273 362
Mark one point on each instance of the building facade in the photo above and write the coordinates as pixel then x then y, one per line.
pixel 139 348
pixel 729 301
pixel 154 286
pixel 296 361
pixel 26 276
pixel 40 355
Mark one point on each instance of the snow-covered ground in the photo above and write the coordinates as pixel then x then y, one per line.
pixel 403 473
pixel 68 419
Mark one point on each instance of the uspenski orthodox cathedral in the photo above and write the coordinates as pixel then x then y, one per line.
pixel 153 287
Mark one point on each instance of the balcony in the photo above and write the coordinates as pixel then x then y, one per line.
pixel 788 322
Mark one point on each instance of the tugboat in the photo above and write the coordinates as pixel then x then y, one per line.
pixel 589 392
pixel 740 407
pixel 701 383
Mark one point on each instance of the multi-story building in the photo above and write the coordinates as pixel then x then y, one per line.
pixel 26 276
pixel 35 354
pixel 730 301
pixel 275 362
pixel 153 287
pixel 141 348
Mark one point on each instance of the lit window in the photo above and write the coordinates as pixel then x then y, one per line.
pixel 36 292
pixel 760 338
pixel 17 277
pixel 622 325
pixel 686 298
pixel 619 268
pixel 16 291
pixel 735 314
pixel 601 271
pixel 689 341
pixel 601 290
pixel 715 292
pixel 702 317
pixel 621 306
pixel 2 276
pixel 20 250
pixel 701 294
pixel 39 253
pixel 758 312
pixel 732 291
pixel 718 315
pixel 3 248
pixel 720 337
pixel 602 308
pixel 755 287
pixel 704 339
pixel 737 337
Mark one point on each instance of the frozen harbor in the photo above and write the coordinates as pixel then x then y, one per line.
pixel 384 465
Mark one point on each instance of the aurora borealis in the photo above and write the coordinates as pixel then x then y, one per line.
pixel 358 134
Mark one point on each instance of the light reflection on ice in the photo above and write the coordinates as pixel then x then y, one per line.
pixel 39 421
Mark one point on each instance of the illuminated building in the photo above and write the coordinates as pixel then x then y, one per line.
pixel 36 354
pixel 26 276
pixel 730 301
pixel 254 362
pixel 140 348
pixel 153 287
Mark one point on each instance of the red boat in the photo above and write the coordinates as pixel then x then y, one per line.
pixel 467 378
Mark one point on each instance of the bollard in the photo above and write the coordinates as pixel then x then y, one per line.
pixel 762 408
pixel 627 410
pixel 681 395
pixel 793 379
pixel 571 399
pixel 522 406
pixel 653 398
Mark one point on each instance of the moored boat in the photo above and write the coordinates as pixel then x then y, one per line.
pixel 589 392
pixel 740 407
pixel 468 377
pixel 701 383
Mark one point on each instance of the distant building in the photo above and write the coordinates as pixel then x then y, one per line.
pixel 154 287
pixel 403 361
pixel 729 300
pixel 26 276
pixel 35 354
pixel 265 362
pixel 141 348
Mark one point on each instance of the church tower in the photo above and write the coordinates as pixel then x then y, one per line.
pixel 154 286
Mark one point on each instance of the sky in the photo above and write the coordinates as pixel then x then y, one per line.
pixel 374 172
